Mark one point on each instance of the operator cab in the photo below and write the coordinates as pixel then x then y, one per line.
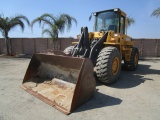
pixel 113 19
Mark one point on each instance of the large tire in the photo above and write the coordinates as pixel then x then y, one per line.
pixel 133 63
pixel 68 50
pixel 108 65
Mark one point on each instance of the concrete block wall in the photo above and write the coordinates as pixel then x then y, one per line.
pixel 147 47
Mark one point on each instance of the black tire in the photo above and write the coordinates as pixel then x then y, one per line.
pixel 133 63
pixel 104 67
pixel 68 50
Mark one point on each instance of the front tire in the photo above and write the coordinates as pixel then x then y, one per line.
pixel 108 65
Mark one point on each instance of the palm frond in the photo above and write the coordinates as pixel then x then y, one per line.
pixel 9 23
pixel 156 12
pixel 55 31
pixel 56 24
pixel 60 24
pixel 49 32
pixel 46 21
pixel 46 18
pixel 3 23
pixel 35 21
pixel 68 20
pixel 130 20
pixel 22 17
pixel 15 23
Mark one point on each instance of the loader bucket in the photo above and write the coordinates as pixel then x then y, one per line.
pixel 61 81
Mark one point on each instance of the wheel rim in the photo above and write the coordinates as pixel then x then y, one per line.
pixel 115 66
pixel 135 59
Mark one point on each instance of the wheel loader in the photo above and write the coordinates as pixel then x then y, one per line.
pixel 66 79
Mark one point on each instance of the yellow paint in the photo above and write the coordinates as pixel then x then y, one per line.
pixel 123 42
pixel 74 43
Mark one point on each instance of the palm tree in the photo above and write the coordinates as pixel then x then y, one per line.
pixel 56 24
pixel 130 21
pixel 8 23
pixel 156 12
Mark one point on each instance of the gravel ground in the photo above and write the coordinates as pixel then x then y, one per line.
pixel 135 96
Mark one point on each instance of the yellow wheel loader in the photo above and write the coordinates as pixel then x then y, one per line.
pixel 65 80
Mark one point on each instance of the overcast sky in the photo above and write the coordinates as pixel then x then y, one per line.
pixel 144 27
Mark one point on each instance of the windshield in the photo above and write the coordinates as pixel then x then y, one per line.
pixel 106 21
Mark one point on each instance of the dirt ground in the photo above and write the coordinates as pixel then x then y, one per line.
pixel 135 96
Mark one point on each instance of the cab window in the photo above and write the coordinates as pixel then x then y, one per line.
pixel 122 25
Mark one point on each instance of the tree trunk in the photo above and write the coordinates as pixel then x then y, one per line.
pixel 55 42
pixel 7 43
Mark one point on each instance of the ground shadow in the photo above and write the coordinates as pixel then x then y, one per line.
pixel 97 101
pixel 129 79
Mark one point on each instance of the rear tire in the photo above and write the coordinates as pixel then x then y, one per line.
pixel 133 63
pixel 108 65
pixel 68 50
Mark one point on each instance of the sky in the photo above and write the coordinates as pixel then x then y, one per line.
pixel 145 26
